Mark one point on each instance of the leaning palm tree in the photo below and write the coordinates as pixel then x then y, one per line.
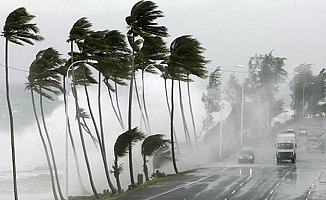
pixel 77 33
pixel 45 80
pixel 81 135
pixel 150 146
pixel 141 23
pixel 122 146
pixel 185 58
pixel 18 30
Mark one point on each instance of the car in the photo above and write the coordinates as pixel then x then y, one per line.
pixel 303 131
pixel 290 130
pixel 246 155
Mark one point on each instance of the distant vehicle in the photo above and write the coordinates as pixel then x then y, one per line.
pixel 303 131
pixel 286 147
pixel 290 130
pixel 246 155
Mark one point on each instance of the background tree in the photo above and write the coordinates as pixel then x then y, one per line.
pixel 212 98
pixel 266 74
pixel 302 78
pixel 18 30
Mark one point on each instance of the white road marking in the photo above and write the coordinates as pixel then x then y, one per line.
pixel 185 185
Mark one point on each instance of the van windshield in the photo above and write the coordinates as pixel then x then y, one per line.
pixel 285 146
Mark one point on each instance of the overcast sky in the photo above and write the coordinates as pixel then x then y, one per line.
pixel 231 30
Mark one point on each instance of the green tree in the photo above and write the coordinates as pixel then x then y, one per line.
pixel 44 79
pixel 77 33
pixel 185 58
pixel 266 74
pixel 212 98
pixel 18 30
pixel 150 146
pixel 122 146
pixel 301 81
pixel 141 23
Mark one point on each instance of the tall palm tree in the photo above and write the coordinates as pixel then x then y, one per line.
pixel 122 147
pixel 45 80
pixel 150 146
pixel 80 28
pixel 185 58
pixel 18 30
pixel 78 117
pixel 141 23
pixel 110 49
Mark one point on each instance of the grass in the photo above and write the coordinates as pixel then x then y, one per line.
pixel 109 196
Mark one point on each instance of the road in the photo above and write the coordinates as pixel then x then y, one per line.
pixel 264 179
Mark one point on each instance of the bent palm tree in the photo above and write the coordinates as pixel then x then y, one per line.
pixel 18 30
pixel 45 80
pixel 141 23
pixel 150 146
pixel 122 146
pixel 185 58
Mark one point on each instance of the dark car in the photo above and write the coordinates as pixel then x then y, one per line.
pixel 246 155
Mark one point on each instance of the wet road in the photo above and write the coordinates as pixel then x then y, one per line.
pixel 262 180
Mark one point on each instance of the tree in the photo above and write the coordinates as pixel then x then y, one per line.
pixel 44 79
pixel 122 146
pixel 141 23
pixel 185 58
pixel 300 82
pixel 150 146
pixel 18 30
pixel 266 74
pixel 212 98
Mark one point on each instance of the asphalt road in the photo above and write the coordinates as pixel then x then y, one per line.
pixel 263 180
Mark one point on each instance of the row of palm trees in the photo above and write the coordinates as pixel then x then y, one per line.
pixel 116 65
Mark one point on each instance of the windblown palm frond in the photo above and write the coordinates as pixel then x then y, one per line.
pixel 153 144
pixel 121 146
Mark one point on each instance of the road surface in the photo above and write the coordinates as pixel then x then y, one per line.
pixel 263 180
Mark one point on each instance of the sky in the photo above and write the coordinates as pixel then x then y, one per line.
pixel 231 31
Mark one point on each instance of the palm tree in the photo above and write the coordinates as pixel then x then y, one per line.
pixel 122 146
pixel 150 146
pixel 141 23
pixel 185 58
pixel 78 117
pixel 80 28
pixel 18 30
pixel 153 50
pixel 45 80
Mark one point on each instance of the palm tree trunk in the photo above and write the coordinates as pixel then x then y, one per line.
pixel 55 196
pixel 168 105
pixel 118 106
pixel 145 168
pixel 72 139
pixel 11 123
pixel 113 189
pixel 185 126
pixel 116 174
pixel 141 109
pixel 144 103
pixel 172 128
pixel 51 149
pixel 115 111
pixel 130 112
pixel 191 112
pixel 90 176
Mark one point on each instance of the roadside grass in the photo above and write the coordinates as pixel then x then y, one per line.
pixel 109 196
